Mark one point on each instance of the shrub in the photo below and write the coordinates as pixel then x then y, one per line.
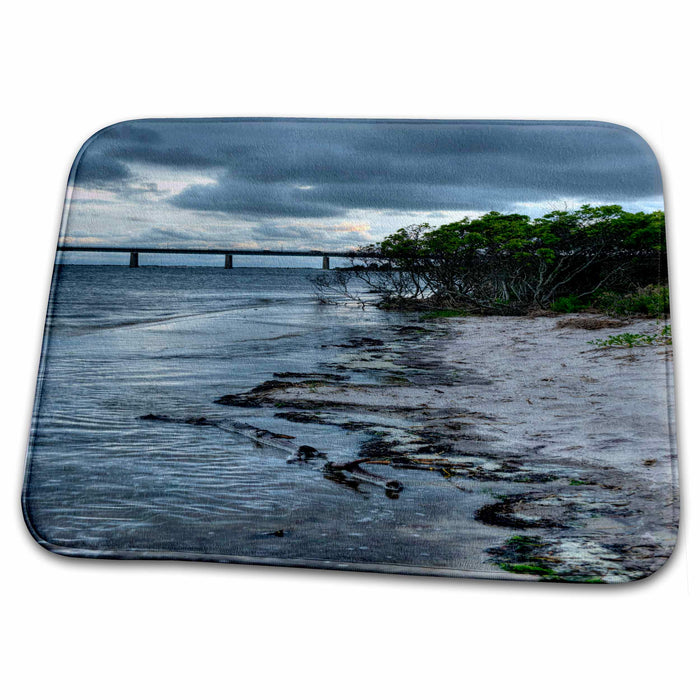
pixel 568 305
pixel 632 340
pixel 652 300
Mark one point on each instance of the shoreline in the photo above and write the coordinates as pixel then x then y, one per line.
pixel 570 445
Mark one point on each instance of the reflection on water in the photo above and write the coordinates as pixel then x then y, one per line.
pixel 128 342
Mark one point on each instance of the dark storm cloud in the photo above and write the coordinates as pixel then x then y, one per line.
pixel 312 169
pixel 275 200
pixel 100 172
pixel 256 200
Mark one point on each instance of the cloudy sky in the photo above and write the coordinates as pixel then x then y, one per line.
pixel 307 184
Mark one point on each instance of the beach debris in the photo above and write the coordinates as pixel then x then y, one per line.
pixel 256 396
pixel 155 416
pixel 356 471
pixel 591 324
pixel 273 533
pixel 513 512
pixel 361 343
pixel 306 452
pixel 285 443
pixel 193 420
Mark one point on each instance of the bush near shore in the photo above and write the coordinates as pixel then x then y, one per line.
pixel 601 258
pixel 651 301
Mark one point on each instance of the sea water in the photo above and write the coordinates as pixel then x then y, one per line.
pixel 122 343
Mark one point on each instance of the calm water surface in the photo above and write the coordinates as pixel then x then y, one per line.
pixel 164 340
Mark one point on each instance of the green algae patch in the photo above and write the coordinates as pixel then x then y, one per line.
pixel 534 569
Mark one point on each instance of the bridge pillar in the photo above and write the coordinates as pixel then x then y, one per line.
pixel 326 262
pixel 133 259
pixel 228 262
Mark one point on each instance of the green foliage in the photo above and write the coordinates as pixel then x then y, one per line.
pixel 652 300
pixel 632 340
pixel 569 304
pixel 510 263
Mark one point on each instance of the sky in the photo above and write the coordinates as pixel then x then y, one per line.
pixel 337 184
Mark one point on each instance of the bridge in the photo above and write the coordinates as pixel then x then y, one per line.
pixel 227 254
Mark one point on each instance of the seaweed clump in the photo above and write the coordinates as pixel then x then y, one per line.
pixel 528 555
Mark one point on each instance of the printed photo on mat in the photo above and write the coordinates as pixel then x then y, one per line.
pixel 432 347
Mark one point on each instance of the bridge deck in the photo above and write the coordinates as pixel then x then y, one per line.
pixel 228 253
pixel 207 251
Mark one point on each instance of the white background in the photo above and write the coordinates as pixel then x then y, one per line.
pixel 89 629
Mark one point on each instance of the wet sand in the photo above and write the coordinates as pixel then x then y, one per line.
pixel 574 444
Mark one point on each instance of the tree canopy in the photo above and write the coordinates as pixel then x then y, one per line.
pixel 511 263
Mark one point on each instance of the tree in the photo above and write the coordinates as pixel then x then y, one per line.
pixel 510 263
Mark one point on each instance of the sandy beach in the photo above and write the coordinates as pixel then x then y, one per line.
pixel 574 444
